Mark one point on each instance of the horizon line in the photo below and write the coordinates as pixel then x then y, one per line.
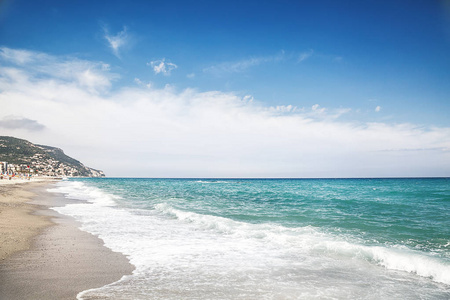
pixel 273 178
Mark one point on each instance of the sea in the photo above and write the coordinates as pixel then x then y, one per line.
pixel 269 238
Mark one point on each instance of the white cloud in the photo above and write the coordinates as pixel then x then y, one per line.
pixel 191 75
pixel 378 108
pixel 116 42
pixel 163 67
pixel 148 131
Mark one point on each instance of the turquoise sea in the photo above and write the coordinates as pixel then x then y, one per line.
pixel 270 238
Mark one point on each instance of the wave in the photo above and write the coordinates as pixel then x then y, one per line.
pixel 80 191
pixel 312 240
pixel 212 181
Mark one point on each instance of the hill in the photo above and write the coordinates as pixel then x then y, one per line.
pixel 43 160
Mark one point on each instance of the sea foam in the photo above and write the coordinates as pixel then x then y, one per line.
pixel 311 239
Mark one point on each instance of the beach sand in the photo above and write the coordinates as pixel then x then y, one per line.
pixel 43 255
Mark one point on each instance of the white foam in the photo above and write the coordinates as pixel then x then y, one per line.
pixel 212 181
pixel 80 191
pixel 311 239
pixel 404 259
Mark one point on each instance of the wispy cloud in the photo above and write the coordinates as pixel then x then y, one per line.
pixel 117 41
pixel 17 56
pixel 141 83
pixel 243 65
pixel 284 108
pixel 163 67
pixel 378 108
pixel 317 108
pixel 328 57
pixel 305 55
pixel 93 76
pixel 14 122
pixel 325 114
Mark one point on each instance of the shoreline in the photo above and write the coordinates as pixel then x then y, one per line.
pixel 48 256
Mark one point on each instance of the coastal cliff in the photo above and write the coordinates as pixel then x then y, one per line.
pixel 23 156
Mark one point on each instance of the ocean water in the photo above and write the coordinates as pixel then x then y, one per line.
pixel 270 239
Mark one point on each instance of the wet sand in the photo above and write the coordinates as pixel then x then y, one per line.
pixel 43 254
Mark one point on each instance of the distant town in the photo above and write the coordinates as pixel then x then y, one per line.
pixel 21 159
pixel 41 168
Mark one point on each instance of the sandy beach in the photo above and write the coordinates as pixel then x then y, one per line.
pixel 43 255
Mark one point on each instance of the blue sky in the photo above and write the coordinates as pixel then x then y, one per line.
pixel 345 63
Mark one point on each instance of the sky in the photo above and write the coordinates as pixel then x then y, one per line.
pixel 231 88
